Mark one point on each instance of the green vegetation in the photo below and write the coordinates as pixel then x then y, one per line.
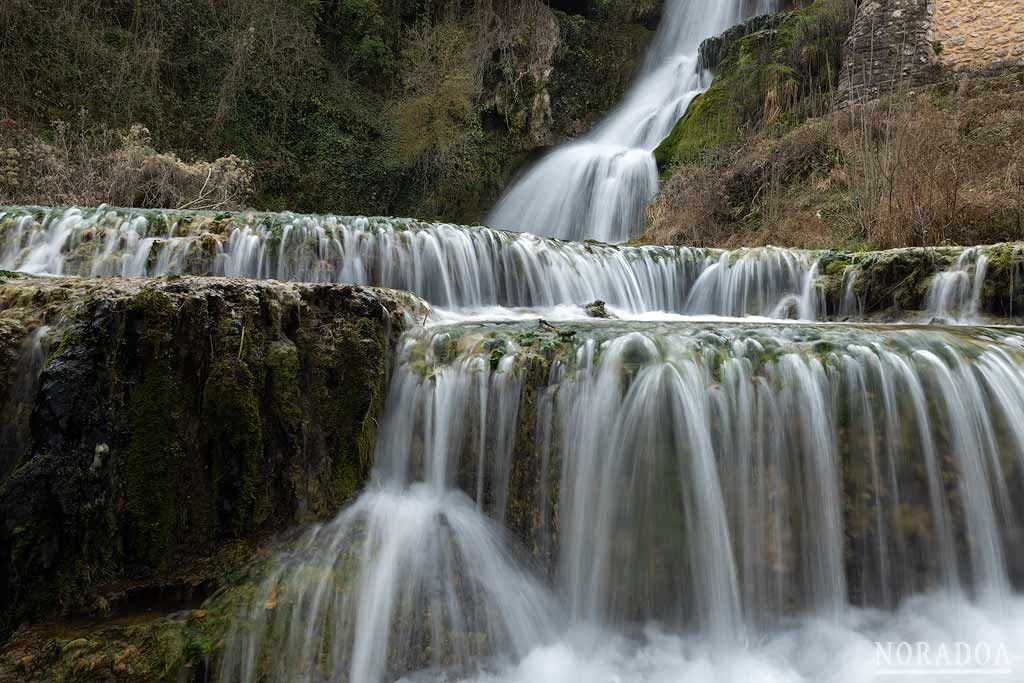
pixel 764 156
pixel 388 107
pixel 774 73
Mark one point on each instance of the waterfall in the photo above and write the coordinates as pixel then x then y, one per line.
pixel 451 266
pixel 599 462
pixel 745 486
pixel 598 187
pixel 956 293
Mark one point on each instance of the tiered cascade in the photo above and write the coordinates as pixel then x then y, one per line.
pixel 740 478
pixel 735 484
pixel 472 269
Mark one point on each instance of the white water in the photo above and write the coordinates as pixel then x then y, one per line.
pixel 598 187
pixel 955 294
pixel 450 266
pixel 665 501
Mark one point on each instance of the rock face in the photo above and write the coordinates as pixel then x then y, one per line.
pixel 171 417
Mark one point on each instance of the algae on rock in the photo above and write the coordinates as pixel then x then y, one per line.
pixel 176 415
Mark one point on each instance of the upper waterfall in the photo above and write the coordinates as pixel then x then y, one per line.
pixel 598 187
pixel 474 269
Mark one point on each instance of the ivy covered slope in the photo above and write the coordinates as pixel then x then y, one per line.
pixel 157 425
pixel 769 155
pixel 393 107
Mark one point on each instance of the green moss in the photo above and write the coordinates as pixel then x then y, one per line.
pixel 282 364
pixel 156 450
pixel 235 443
pixel 773 74
pixel 1003 289
pixel 361 363
pixel 713 121
pixel 834 263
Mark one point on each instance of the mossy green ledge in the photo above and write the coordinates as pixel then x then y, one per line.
pixel 167 426
pixel 779 58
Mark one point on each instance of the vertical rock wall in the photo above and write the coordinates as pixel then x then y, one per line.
pixel 889 47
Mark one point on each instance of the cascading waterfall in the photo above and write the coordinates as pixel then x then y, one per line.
pixel 450 266
pixel 955 294
pixel 748 488
pixel 650 498
pixel 598 187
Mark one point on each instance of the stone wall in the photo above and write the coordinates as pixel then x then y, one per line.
pixel 889 47
pixel 979 35
pixel 904 43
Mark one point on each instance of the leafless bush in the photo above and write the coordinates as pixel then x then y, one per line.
pixel 437 111
pixel 1015 186
pixel 90 166
pixel 907 165
pixel 689 208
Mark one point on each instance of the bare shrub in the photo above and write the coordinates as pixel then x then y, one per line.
pixel 1015 186
pixel 273 45
pixel 689 209
pixel 517 37
pixel 447 63
pixel 916 169
pixel 90 166
pixel 441 84
pixel 907 165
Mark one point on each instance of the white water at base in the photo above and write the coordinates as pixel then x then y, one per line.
pixel 598 187
pixel 703 502
pixel 854 650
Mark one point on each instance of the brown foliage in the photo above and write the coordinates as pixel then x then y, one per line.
pixel 918 169
pixel 91 166
pixel 690 210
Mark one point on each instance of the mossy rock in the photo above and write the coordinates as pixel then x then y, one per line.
pixel 174 416
pixel 770 73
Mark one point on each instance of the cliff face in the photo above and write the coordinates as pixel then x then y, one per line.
pixel 163 421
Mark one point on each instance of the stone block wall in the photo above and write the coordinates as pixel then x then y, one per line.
pixel 980 34
pixel 904 43
pixel 889 47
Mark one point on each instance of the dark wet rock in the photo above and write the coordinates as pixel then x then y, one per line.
pixel 596 309
pixel 171 417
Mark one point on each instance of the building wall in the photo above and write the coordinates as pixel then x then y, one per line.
pixel 979 34
pixel 889 47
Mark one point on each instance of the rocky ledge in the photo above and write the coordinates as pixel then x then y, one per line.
pixel 153 432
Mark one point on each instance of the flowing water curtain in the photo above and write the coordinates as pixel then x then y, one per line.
pixel 450 266
pixel 598 187
pixel 956 293
pixel 412 576
pixel 717 479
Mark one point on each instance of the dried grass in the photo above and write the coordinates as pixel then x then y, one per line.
pixel 917 169
pixel 91 166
